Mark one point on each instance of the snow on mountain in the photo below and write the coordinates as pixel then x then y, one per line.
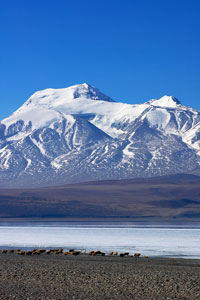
pixel 166 101
pixel 52 98
pixel 75 134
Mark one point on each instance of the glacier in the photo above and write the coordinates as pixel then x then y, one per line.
pixel 76 134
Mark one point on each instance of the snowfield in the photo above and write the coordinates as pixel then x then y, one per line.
pixel 77 133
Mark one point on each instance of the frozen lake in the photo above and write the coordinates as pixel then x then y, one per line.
pixel 165 241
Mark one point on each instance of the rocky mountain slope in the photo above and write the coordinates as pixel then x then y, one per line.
pixel 75 134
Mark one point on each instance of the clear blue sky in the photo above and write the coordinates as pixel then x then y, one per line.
pixel 133 50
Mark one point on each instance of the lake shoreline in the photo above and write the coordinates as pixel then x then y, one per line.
pixel 158 240
pixel 87 277
pixel 104 220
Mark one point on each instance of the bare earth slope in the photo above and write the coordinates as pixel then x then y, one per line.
pixel 168 197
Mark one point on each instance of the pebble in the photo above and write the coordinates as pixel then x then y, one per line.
pixel 105 278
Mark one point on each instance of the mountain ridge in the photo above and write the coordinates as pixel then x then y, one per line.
pixel 79 134
pixel 167 198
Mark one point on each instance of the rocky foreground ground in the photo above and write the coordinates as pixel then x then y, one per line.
pixel 69 277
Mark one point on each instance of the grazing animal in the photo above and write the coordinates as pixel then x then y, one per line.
pixel 91 253
pixel 12 251
pixel 59 251
pixel 54 250
pixel 4 251
pixel 75 252
pixel 21 252
pixel 115 253
pixel 137 254
pixel 36 252
pixel 124 254
pixel 146 256
pixel 111 253
pixel 48 251
pixel 65 253
pixel 98 253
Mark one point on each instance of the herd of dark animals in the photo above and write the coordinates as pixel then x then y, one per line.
pixel 70 252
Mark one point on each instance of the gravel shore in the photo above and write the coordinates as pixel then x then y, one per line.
pixel 69 277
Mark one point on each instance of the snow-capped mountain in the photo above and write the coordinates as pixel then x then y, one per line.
pixel 77 134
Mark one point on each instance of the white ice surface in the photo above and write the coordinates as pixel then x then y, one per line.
pixel 104 113
pixel 159 118
pixel 165 101
pixel 152 241
pixel 39 117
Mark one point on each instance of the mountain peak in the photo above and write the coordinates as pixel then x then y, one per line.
pixel 87 91
pixel 76 134
pixel 55 97
pixel 166 101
